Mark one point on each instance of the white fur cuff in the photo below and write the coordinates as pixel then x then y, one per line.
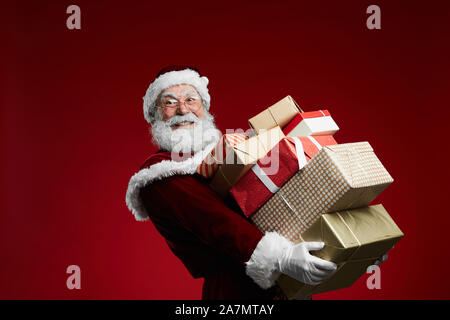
pixel 262 264
pixel 158 171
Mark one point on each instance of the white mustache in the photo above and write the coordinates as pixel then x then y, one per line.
pixel 190 117
pixel 183 140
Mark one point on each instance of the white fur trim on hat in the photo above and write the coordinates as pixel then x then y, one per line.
pixel 172 78
pixel 262 264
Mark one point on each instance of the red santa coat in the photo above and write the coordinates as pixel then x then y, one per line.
pixel 211 237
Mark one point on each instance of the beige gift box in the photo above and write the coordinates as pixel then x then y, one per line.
pixel 339 177
pixel 242 157
pixel 279 114
pixel 353 240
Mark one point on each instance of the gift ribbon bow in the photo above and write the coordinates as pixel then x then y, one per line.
pixel 264 178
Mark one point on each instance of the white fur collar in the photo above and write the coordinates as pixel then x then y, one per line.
pixel 158 171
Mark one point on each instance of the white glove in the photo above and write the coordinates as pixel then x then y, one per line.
pixel 299 264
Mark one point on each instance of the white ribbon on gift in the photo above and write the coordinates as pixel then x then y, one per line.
pixel 265 179
pixel 315 142
pixel 301 163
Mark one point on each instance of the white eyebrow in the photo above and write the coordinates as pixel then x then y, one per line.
pixel 168 94
pixel 190 91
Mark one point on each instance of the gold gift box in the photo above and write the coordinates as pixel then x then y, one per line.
pixel 242 157
pixel 339 177
pixel 353 240
pixel 279 114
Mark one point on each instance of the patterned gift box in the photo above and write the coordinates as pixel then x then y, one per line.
pixel 339 177
pixel 311 123
pixel 211 163
pixel 271 172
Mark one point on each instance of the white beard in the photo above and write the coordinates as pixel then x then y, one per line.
pixel 185 140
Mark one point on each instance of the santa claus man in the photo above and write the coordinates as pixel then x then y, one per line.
pixel 210 236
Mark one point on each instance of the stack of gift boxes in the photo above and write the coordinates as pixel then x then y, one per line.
pixel 292 177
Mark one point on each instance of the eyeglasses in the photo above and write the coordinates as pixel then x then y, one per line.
pixel 193 103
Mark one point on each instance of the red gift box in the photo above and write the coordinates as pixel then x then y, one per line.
pixel 277 167
pixel 311 123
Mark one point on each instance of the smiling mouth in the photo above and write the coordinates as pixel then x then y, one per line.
pixel 184 124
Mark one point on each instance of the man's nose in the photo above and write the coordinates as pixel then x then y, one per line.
pixel 182 109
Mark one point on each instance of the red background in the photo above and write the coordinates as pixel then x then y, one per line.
pixel 73 133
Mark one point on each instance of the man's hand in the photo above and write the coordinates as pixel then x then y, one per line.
pixel 382 258
pixel 299 264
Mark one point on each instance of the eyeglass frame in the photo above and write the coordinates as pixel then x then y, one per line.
pixel 178 103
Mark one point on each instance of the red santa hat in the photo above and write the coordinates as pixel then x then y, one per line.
pixel 171 76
